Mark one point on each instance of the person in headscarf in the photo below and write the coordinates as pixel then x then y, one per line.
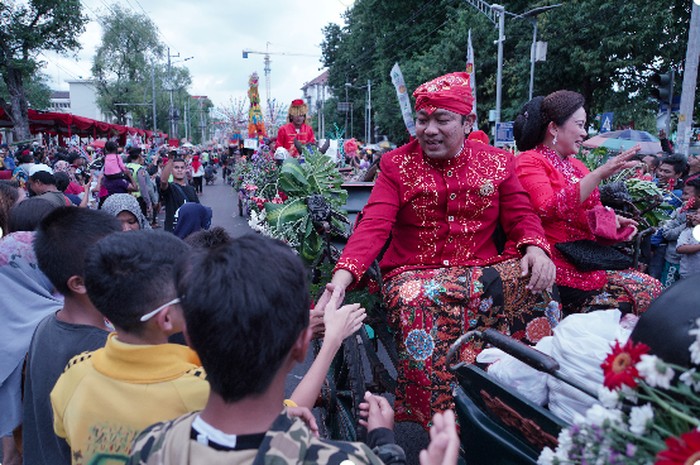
pixel 197 174
pixel 127 209
pixel 440 199
pixel 27 297
pixel 192 217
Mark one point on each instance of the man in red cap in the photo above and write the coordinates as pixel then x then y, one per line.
pixel 296 129
pixel 440 200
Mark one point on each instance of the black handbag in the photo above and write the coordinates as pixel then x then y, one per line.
pixel 588 255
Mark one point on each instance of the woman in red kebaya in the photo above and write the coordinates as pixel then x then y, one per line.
pixel 565 194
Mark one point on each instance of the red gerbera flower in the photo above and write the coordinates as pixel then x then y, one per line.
pixel 619 366
pixel 681 451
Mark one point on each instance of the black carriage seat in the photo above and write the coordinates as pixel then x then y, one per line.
pixel 498 425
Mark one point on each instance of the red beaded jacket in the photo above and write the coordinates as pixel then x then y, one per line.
pixel 287 133
pixel 554 188
pixel 442 212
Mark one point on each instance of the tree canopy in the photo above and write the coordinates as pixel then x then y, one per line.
pixel 27 29
pixel 124 61
pixel 606 50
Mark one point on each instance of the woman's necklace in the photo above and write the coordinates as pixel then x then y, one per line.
pixel 564 166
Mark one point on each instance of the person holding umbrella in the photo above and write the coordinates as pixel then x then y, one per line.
pixel 550 131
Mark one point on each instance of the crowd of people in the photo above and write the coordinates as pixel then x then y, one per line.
pixel 112 323
pixel 126 342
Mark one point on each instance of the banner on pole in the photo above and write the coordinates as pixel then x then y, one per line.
pixel 472 74
pixel 404 100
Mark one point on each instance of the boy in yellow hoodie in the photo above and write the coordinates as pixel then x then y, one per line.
pixel 105 398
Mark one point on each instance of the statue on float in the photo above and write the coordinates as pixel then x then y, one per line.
pixel 256 124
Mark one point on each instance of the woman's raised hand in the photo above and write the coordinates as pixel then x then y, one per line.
pixel 621 162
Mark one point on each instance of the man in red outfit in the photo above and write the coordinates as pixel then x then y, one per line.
pixel 296 129
pixel 440 199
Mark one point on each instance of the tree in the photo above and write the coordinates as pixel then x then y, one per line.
pixel 604 49
pixel 26 29
pixel 36 89
pixel 123 63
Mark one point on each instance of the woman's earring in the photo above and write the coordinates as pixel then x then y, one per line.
pixel 554 141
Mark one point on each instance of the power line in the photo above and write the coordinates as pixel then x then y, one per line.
pixel 60 67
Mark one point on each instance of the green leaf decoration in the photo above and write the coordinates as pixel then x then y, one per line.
pixel 288 212
pixel 311 247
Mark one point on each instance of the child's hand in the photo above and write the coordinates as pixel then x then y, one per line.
pixel 306 416
pixel 444 441
pixel 342 322
pixel 376 413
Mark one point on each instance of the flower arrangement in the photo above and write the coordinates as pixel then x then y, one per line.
pixel 648 414
pixel 256 177
pixel 282 208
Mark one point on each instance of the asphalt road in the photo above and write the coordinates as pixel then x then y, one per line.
pixel 224 203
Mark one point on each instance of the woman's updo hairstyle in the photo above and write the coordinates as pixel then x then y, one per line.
pixel 528 129
pixel 531 123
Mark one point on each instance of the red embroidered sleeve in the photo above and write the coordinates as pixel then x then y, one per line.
pixel 378 218
pixel 520 222
pixel 549 203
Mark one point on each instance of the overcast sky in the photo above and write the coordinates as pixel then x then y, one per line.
pixel 214 33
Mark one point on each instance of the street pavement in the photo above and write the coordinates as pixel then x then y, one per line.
pixel 223 201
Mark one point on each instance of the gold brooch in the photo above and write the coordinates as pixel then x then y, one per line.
pixel 487 189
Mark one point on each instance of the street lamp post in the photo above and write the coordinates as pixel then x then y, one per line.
pixel 532 16
pixel 171 89
pixel 499 72
pixel 368 109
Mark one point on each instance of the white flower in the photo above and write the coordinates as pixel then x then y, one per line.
pixel 597 415
pixel 689 379
pixel 695 346
pixel 564 439
pixel 546 457
pixel 609 399
pixel 640 417
pixel 695 352
pixel 655 372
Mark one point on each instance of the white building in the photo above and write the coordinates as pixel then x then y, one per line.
pixel 316 93
pixel 80 100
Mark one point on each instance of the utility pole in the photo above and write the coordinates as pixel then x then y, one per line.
pixel 171 88
pixel 201 119
pixel 690 80
pixel 153 89
pixel 368 119
pixel 499 72
pixel 186 119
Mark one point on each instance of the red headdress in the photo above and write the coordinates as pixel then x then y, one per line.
pixel 298 108
pixel 479 135
pixel 449 92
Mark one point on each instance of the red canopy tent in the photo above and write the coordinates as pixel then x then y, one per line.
pixel 66 124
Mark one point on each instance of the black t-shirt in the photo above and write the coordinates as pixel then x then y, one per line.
pixel 54 343
pixel 173 197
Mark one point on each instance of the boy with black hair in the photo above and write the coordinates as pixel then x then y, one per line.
pixel 246 306
pixel 60 244
pixel 177 192
pixel 106 397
